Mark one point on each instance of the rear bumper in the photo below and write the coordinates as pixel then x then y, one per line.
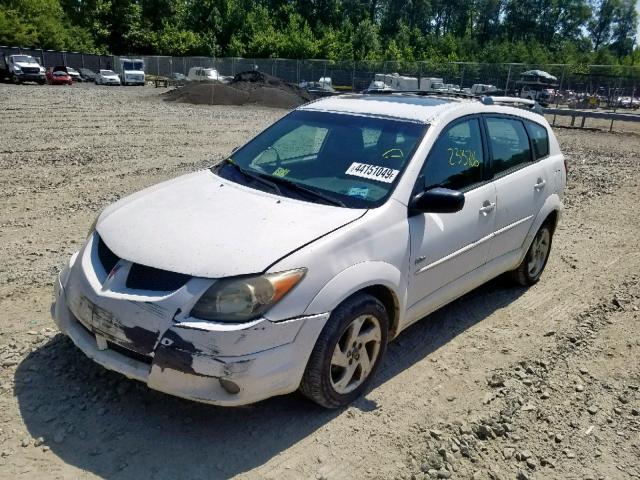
pixel 189 362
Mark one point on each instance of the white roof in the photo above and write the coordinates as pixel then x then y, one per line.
pixel 407 107
pixel 424 109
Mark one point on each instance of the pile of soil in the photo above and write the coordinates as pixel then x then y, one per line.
pixel 251 87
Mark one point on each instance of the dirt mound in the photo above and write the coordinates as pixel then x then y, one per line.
pixel 251 87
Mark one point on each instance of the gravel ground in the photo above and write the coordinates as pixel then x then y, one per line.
pixel 504 383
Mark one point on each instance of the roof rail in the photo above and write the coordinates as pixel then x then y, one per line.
pixel 531 105
pixel 421 93
pixel 513 101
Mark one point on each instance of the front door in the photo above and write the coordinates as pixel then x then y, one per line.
pixel 444 247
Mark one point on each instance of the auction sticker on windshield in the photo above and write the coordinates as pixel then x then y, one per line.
pixel 372 172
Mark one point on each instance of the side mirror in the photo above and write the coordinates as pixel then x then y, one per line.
pixel 437 200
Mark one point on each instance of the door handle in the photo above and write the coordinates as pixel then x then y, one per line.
pixel 487 207
pixel 540 185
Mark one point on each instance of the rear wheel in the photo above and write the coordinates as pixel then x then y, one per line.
pixel 531 268
pixel 347 353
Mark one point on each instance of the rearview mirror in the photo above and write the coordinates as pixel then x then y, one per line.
pixel 437 200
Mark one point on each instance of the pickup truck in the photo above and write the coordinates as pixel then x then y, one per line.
pixel 20 68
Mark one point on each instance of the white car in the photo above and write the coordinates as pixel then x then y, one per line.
pixel 107 77
pixel 200 74
pixel 291 264
pixel 74 74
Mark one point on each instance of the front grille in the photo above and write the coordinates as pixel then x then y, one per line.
pixel 30 70
pixel 148 278
pixel 142 277
pixel 108 259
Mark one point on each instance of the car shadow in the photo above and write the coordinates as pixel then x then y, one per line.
pixel 103 423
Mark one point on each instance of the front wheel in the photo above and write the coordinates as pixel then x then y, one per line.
pixel 347 353
pixel 531 268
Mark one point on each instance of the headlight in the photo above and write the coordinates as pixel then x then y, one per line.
pixel 235 300
pixel 16 68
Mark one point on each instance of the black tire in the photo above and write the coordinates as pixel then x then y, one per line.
pixel 523 274
pixel 317 379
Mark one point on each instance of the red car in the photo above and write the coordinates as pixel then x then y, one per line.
pixel 58 76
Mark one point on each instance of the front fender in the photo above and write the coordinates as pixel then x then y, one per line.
pixel 358 277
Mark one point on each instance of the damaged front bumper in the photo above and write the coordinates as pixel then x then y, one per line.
pixel 202 361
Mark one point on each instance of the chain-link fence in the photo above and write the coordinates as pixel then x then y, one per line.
pixel 588 84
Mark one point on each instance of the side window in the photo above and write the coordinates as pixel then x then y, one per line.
pixel 539 138
pixel 456 159
pixel 509 144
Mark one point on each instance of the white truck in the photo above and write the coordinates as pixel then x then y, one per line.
pixel 132 71
pixel 20 68
pixel 480 89
pixel 432 84
pixel 394 81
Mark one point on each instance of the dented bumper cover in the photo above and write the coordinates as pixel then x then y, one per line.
pixel 183 356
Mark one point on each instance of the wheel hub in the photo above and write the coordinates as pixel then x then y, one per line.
pixel 355 354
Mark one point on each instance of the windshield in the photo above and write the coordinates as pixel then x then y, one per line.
pixel 24 59
pixel 107 72
pixel 133 65
pixel 353 160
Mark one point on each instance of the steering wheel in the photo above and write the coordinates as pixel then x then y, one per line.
pixel 393 153
pixel 271 147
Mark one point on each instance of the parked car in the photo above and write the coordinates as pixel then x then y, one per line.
pixel 628 102
pixel 107 77
pixel 543 95
pixel 88 75
pixel 56 76
pixel 319 89
pixel 292 263
pixel 482 89
pixel 178 78
pixel 21 68
pixel 200 74
pixel 74 74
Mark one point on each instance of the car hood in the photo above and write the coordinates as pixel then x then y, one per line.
pixel 206 226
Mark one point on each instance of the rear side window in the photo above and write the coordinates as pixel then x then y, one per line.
pixel 509 144
pixel 456 159
pixel 539 138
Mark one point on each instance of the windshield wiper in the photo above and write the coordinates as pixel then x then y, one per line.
pixel 253 176
pixel 303 188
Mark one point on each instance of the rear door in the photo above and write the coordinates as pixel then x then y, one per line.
pixel 522 184
pixel 446 246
